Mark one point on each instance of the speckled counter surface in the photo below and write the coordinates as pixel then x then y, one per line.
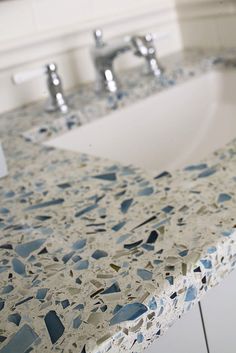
pixel 96 256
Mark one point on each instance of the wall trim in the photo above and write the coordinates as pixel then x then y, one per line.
pixel 47 44
pixel 27 49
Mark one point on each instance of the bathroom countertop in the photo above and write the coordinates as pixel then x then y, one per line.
pixel 96 256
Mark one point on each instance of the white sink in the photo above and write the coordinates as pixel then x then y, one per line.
pixel 168 130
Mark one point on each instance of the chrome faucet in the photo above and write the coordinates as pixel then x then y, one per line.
pixel 57 100
pixel 144 47
pixel 103 55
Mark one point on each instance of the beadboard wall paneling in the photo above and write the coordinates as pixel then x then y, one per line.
pixel 210 23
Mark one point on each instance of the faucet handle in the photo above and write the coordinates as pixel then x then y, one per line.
pixel 98 36
pixel 144 46
pixel 57 100
pixel 149 37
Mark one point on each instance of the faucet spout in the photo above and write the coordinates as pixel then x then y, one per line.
pixel 104 54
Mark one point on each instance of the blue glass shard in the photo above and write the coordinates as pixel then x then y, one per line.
pixel 81 265
pixel 114 288
pixel 107 177
pixel 208 172
pixel 193 167
pixel 7 289
pixel 23 301
pixel 54 326
pixel 211 250
pixel 18 266
pixel 65 303
pixel 118 226
pixel 64 185
pixel 152 304
pixel 79 307
pixel 121 193
pixel 157 262
pixel 76 258
pixel 129 312
pixel 78 280
pixel 197 269
pixel 112 168
pixel 27 248
pixel 133 245
pixel 140 337
pixel 43 251
pixel 41 293
pixel 15 319
pixel 152 237
pixel 207 264
pixel 2 303
pixel 117 308
pixel 97 198
pixel 83 350
pixel 191 294
pixel 77 322
pixel 21 341
pixel 6 246
pixel 45 204
pixel 146 192
pixel 142 184
pixel 163 174
pixel 98 254
pixel 183 253
pixel 104 308
pixel 9 194
pixel 43 218
pixel 145 222
pixel 145 274
pixel 80 244
pixel 122 238
pixel 223 198
pixel 85 210
pixel 67 257
pixel 228 233
pixel 148 247
pixel 168 209
pixel 46 230
pixel 170 279
pixel 4 210
pixel 125 205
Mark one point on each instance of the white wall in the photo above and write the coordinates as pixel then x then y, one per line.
pixel 207 23
pixel 34 32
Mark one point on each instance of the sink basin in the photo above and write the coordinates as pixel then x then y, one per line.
pixel 168 130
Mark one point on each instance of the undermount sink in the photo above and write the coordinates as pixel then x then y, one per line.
pixel 168 130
